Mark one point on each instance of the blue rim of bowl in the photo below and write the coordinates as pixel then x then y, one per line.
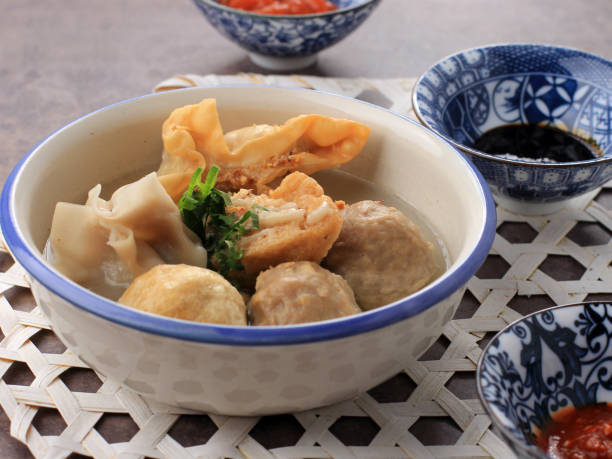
pixel 533 449
pixel 295 17
pixel 480 154
pixel 88 301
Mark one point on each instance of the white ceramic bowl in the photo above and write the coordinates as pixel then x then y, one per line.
pixel 246 370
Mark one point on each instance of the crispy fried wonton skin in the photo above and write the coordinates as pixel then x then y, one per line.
pixel 188 293
pixel 300 292
pixel 381 254
pixel 299 223
pixel 253 156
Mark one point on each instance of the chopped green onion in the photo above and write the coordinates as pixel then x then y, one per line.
pixel 203 209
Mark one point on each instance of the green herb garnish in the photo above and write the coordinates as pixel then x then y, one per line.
pixel 202 207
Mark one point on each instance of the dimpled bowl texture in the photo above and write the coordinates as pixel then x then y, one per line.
pixel 473 91
pixel 550 360
pixel 286 42
pixel 246 370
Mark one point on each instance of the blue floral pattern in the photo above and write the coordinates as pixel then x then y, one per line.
pixel 471 92
pixel 550 360
pixel 285 36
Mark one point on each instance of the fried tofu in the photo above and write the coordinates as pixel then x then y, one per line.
pixel 297 222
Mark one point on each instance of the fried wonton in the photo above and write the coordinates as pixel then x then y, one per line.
pixel 253 156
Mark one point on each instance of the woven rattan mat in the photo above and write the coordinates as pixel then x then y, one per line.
pixel 429 410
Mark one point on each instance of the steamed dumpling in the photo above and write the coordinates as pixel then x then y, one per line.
pixel 253 156
pixel 381 254
pixel 297 222
pixel 299 292
pixel 188 293
pixel 103 245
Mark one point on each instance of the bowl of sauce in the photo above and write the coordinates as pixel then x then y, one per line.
pixel 534 119
pixel 533 142
pixel 584 432
pixel 545 382
pixel 283 35
pixel 281 6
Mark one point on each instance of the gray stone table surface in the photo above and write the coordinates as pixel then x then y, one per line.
pixel 60 59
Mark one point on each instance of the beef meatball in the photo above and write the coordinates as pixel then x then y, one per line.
pixel 186 292
pixel 299 292
pixel 381 254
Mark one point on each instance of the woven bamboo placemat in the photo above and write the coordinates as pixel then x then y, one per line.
pixel 521 270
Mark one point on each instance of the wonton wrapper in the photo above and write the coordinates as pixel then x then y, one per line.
pixel 188 293
pixel 103 245
pixel 253 156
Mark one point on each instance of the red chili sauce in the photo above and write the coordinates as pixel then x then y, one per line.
pixel 579 433
pixel 281 6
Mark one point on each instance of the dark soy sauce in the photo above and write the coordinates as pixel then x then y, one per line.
pixel 533 142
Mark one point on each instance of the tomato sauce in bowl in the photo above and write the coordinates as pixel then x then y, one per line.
pixel 281 6
pixel 579 433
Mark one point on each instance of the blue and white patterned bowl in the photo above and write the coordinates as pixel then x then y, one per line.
pixel 475 90
pixel 286 42
pixel 555 358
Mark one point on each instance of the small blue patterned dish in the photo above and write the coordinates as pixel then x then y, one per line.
pixel 286 42
pixel 476 90
pixel 556 358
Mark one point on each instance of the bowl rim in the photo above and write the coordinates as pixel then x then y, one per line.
pixel 366 321
pixel 533 449
pixel 294 17
pixel 515 162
